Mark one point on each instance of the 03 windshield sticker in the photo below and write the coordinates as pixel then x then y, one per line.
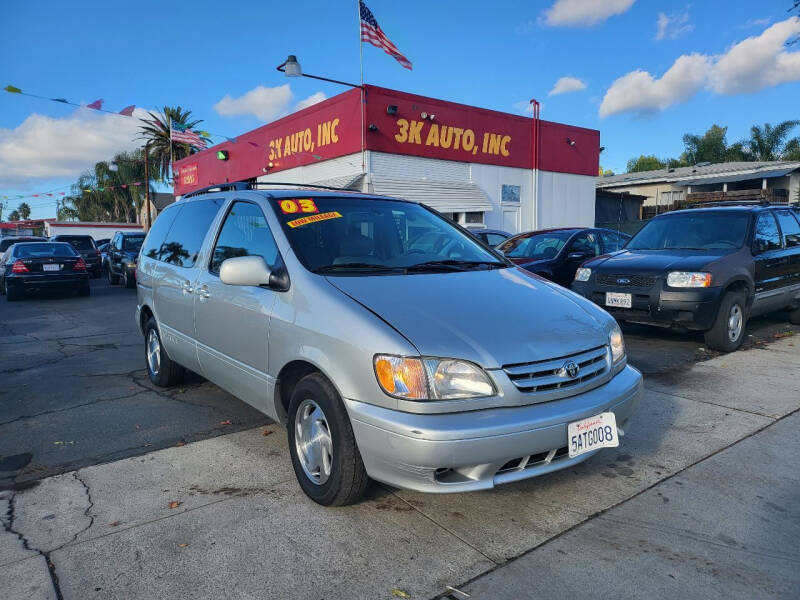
pixel 298 205
pixel 313 219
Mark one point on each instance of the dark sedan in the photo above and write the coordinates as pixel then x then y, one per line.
pixel 557 253
pixel 31 266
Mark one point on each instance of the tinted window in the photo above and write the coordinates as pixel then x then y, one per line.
pixel 132 243
pixel 535 247
pixel 244 233
pixel 158 231
pixel 183 241
pixel 6 243
pixel 612 241
pixel 493 239
pixel 790 228
pixel 586 243
pixel 80 242
pixel 766 236
pixel 712 230
pixel 43 249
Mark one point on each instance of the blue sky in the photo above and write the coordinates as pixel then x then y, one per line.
pixel 197 53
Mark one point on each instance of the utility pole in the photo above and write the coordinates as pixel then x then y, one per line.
pixel 148 207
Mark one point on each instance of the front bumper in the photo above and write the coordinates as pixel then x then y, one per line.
pixel 659 305
pixel 467 451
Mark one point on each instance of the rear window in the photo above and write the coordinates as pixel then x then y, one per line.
pixel 711 230
pixel 132 243
pixel 43 250
pixel 536 247
pixel 79 242
pixel 6 243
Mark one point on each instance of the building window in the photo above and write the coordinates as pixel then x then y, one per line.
pixel 473 218
pixel 510 193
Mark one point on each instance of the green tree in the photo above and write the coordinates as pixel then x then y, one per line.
pixel 711 147
pixel 24 211
pixel 645 163
pixel 156 132
pixel 13 215
pixel 769 142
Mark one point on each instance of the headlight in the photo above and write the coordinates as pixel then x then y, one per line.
pixel 583 274
pixel 688 279
pixel 431 378
pixel 617 343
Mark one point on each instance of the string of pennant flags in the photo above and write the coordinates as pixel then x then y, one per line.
pixel 55 194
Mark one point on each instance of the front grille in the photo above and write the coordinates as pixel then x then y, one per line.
pixel 639 281
pixel 548 378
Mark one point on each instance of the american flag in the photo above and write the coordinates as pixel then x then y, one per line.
pixel 182 134
pixel 371 32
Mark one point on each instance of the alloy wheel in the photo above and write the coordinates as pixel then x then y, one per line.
pixel 153 352
pixel 313 441
pixel 735 322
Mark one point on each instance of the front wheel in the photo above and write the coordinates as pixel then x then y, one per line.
pixel 727 333
pixel 127 280
pixel 112 279
pixel 324 453
pixel 161 369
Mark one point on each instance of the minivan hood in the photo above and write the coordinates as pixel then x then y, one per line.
pixel 492 318
pixel 655 261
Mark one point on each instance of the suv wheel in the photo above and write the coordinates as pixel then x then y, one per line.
pixel 127 281
pixel 112 279
pixel 728 330
pixel 325 457
pixel 163 371
pixel 10 293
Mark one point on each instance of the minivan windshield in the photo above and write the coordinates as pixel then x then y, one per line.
pixel 713 230
pixel 363 236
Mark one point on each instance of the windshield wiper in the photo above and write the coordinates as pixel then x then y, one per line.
pixel 455 265
pixel 354 266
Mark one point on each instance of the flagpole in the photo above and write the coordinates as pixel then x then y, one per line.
pixel 361 68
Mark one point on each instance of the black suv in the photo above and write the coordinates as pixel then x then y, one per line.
pixel 86 247
pixel 123 253
pixel 706 269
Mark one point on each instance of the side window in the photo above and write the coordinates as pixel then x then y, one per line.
pixel 494 239
pixel 157 233
pixel 586 243
pixel 790 228
pixel 244 233
pixel 182 244
pixel 611 241
pixel 766 236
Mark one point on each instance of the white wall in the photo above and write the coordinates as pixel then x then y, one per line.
pixel 325 170
pixel 98 233
pixel 566 200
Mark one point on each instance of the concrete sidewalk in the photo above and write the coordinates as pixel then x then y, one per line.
pixel 224 517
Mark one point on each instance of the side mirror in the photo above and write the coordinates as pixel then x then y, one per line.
pixel 577 255
pixel 759 246
pixel 245 270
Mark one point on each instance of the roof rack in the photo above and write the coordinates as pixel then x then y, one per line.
pixel 254 185
pixel 711 203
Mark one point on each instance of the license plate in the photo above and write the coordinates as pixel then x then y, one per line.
pixel 593 433
pixel 51 267
pixel 619 300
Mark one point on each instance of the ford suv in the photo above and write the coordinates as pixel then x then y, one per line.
pixel 440 368
pixel 706 269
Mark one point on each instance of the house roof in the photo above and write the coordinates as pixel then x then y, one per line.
pixel 699 175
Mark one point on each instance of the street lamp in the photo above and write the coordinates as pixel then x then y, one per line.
pixel 291 68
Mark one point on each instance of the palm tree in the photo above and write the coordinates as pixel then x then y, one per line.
pixel 769 142
pixel 156 133
pixel 13 216
pixel 24 211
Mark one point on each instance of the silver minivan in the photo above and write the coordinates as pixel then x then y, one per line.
pixel 391 343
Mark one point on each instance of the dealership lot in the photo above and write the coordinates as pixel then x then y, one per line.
pixel 182 490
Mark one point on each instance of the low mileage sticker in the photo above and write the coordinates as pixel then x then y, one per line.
pixel 313 219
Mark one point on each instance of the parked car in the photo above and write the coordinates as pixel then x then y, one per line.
pixel 123 253
pixel 7 242
pixel 102 241
pixel 556 254
pixel 707 269
pixel 439 371
pixel 86 247
pixel 490 237
pixel 33 266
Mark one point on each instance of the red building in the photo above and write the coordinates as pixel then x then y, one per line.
pixel 478 166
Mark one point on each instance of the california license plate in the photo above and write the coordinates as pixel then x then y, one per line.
pixel 51 267
pixel 592 434
pixel 618 300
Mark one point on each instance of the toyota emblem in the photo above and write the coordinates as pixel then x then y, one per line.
pixel 570 369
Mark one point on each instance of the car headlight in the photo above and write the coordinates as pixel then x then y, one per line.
pixel 617 343
pixel 431 378
pixel 583 274
pixel 688 279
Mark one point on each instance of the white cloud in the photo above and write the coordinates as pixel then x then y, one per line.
pixel 755 23
pixel 751 65
pixel 310 101
pixel 584 13
pixel 263 102
pixel 44 147
pixel 672 26
pixel 641 93
pixel 566 85
pixel 758 62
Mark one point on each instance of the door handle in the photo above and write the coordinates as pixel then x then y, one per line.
pixel 203 292
pixel 187 287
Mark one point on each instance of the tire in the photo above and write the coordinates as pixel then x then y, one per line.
pixel 84 290
pixel 794 316
pixel 11 294
pixel 112 279
pixel 162 370
pixel 346 479
pixel 126 280
pixel 731 318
